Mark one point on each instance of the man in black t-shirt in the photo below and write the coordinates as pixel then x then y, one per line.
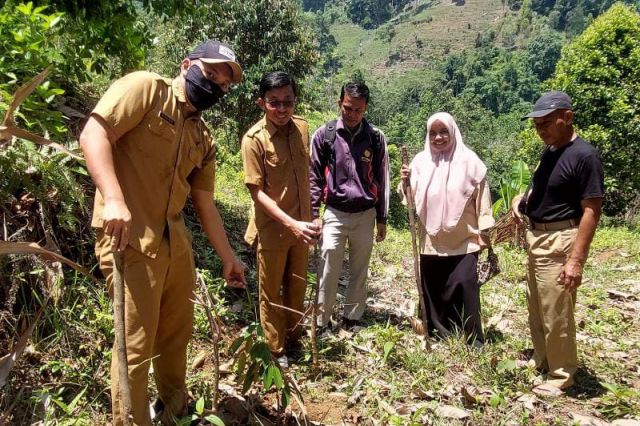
pixel 562 208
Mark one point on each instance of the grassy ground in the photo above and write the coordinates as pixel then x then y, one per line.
pixel 379 374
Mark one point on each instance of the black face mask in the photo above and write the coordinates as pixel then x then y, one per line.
pixel 202 93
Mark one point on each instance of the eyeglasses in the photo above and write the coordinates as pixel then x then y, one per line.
pixel 280 104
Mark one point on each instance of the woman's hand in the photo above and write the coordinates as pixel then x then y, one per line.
pixel 484 241
pixel 405 174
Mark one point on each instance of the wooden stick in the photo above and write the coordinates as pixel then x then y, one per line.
pixel 314 309
pixel 419 328
pixel 121 344
pixel 207 303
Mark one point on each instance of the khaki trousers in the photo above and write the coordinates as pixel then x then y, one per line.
pixel 158 325
pixel 282 275
pixel 551 308
pixel 337 228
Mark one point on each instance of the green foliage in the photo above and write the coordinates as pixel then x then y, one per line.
pixel 511 185
pixel 265 35
pixel 254 364
pixel 373 13
pixel 599 70
pixel 28 43
pixel 619 401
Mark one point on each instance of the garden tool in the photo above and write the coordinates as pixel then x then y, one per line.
pixel 419 324
pixel 121 345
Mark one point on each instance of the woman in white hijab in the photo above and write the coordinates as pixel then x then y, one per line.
pixel 451 196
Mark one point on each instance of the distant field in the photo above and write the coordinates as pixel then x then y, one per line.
pixel 432 29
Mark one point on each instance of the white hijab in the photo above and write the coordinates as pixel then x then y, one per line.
pixel 442 181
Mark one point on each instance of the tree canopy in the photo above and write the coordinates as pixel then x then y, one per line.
pixel 599 69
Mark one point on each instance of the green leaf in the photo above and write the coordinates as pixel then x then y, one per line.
pixel 200 405
pixel 277 377
pixel 72 404
pixel 214 420
pixel 267 378
pixel 388 346
pixel 506 365
pixel 236 344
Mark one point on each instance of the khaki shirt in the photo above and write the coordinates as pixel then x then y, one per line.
pixel 159 154
pixel 277 161
pixel 477 216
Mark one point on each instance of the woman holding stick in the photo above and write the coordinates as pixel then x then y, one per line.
pixel 451 195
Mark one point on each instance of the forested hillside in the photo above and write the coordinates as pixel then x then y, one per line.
pixel 484 61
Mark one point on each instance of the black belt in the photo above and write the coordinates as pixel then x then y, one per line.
pixel 553 226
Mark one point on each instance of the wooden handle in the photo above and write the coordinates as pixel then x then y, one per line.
pixel 121 343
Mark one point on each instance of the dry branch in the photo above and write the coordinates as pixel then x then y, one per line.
pixel 8 128
pixel 7 247
pixel 7 362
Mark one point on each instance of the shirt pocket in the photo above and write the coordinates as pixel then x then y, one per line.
pixel 197 151
pixel 276 167
pixel 160 137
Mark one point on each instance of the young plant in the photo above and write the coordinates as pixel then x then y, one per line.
pixel 255 364
pixel 511 184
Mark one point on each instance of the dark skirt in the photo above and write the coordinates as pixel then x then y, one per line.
pixel 452 295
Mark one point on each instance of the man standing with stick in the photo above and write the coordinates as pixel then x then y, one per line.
pixel 147 149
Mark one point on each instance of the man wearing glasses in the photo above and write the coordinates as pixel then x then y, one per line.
pixel 276 168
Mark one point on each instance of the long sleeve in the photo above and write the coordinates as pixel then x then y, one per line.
pixel 316 173
pixel 483 207
pixel 382 177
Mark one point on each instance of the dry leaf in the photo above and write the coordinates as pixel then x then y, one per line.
pixel 528 401
pixel 587 420
pixel 451 412
pixel 546 390
pixel 625 422
pixel 428 395
pixel 355 397
pixel 199 360
pixel 386 407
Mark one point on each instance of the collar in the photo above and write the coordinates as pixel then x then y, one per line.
pixel 359 129
pixel 272 129
pixel 178 90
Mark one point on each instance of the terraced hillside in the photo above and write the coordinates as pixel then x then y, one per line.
pixel 410 40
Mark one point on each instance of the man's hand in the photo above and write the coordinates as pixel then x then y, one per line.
pixel 381 233
pixel 405 174
pixel 233 274
pixel 515 213
pixel 571 275
pixel 117 223
pixel 318 222
pixel 305 232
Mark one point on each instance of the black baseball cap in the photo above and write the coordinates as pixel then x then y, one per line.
pixel 214 52
pixel 549 102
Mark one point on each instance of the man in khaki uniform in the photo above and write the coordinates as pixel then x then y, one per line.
pixel 276 167
pixel 147 149
pixel 562 209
